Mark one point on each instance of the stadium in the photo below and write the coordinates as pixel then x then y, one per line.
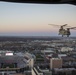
pixel 11 61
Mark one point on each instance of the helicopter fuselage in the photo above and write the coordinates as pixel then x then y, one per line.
pixel 64 32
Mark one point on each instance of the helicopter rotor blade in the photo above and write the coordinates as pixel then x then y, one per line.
pixel 72 28
pixel 58 25
pixel 53 24
pixel 64 25
pixel 67 27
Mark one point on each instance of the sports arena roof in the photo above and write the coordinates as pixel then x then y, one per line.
pixel 10 59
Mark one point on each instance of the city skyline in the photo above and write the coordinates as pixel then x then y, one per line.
pixel 25 19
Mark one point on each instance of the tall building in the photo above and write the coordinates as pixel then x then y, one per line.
pixel 55 63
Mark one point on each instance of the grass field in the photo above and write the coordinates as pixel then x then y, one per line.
pixel 13 65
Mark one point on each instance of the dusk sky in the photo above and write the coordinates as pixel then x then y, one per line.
pixel 21 19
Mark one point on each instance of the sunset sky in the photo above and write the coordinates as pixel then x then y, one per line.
pixel 21 19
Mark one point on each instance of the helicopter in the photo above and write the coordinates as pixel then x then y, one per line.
pixel 64 31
